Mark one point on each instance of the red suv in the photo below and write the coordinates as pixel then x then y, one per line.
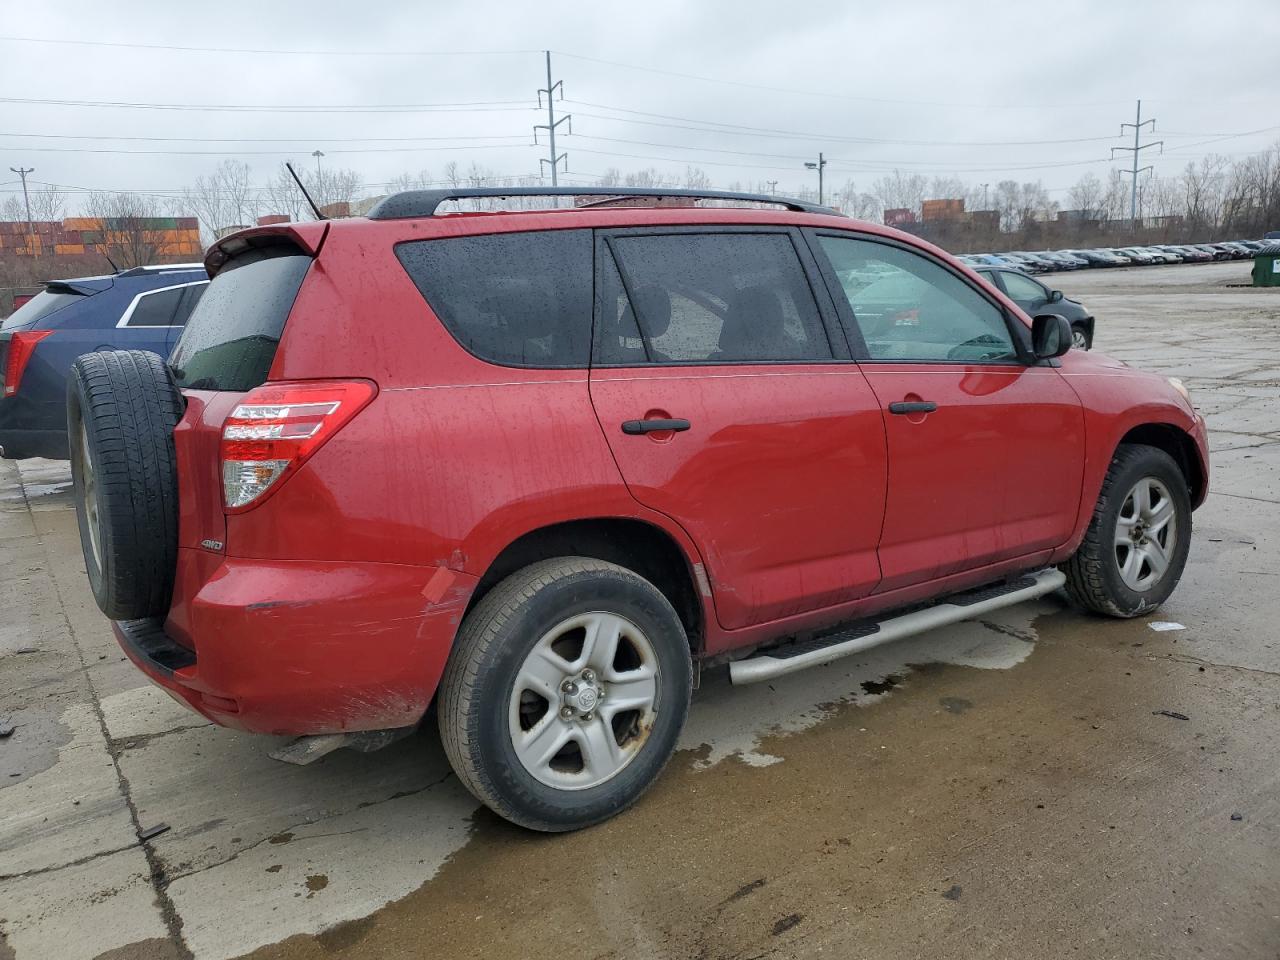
pixel 544 466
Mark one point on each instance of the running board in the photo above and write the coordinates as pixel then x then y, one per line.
pixel 871 633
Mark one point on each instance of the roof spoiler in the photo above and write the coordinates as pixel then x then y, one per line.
pixel 308 237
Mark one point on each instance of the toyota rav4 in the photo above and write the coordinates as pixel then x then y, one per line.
pixel 543 466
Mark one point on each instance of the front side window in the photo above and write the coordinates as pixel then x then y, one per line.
pixel 1023 289
pixel 695 298
pixel 517 299
pixel 909 308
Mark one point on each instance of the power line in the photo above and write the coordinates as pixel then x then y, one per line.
pixel 303 140
pixel 714 126
pixel 478 106
pixel 273 52
pixel 252 153
pixel 828 94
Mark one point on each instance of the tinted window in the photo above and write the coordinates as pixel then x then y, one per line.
pixel 521 299
pixel 709 298
pixel 39 307
pixel 1022 288
pixel 910 308
pixel 191 295
pixel 155 309
pixel 232 335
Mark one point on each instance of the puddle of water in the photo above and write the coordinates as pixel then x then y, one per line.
pixel 727 721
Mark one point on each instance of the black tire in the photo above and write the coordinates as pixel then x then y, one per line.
pixel 1080 332
pixel 122 407
pixel 1093 572
pixel 480 678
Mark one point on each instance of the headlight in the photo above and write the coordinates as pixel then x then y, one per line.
pixel 1182 389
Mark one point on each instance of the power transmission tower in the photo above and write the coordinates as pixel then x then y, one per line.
pixel 22 172
pixel 550 126
pixel 1136 149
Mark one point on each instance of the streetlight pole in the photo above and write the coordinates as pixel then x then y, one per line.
pixel 822 162
pixel 317 154
pixel 773 186
pixel 22 172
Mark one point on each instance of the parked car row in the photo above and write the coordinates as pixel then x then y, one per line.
pixel 1051 261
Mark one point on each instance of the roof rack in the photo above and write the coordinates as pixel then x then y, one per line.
pixel 424 203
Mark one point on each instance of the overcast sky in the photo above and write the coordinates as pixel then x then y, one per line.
pixel 884 71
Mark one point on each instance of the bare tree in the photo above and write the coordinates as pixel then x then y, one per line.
pixel 1088 194
pixel 224 199
pixel 695 178
pixel 129 235
pixel 899 190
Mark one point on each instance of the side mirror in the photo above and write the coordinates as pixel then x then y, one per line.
pixel 1050 336
pixel 1055 296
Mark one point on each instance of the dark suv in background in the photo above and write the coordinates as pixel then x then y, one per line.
pixel 140 309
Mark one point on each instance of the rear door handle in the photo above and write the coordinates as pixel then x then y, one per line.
pixel 653 426
pixel 913 406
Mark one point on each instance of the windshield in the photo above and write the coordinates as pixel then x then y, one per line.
pixel 230 340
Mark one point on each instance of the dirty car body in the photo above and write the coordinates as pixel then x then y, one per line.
pixel 770 485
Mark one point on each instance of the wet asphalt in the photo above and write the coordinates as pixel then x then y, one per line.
pixel 1041 783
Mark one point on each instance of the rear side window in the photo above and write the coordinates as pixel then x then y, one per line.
pixel 517 299
pixel 695 298
pixel 231 337
pixel 155 309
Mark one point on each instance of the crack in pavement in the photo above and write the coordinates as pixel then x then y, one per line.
pixel 133 741
pixel 167 881
pixel 1197 661
pixel 168 910
pixel 88 858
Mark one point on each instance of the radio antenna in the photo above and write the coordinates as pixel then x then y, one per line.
pixel 298 180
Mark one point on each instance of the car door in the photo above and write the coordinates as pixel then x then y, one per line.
pixel 729 400
pixel 986 447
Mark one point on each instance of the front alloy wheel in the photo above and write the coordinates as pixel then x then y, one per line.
pixel 1135 547
pixel 1146 534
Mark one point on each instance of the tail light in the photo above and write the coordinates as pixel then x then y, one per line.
pixel 21 347
pixel 276 427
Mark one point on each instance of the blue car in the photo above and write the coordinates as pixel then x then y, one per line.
pixel 140 309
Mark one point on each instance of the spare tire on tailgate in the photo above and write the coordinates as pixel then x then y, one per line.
pixel 122 407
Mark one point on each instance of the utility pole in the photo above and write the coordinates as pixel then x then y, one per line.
pixel 552 157
pixel 773 187
pixel 984 196
pixel 31 230
pixel 1136 149
pixel 822 162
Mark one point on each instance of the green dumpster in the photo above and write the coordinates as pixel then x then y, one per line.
pixel 1266 266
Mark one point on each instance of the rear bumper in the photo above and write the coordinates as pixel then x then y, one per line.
pixel 302 647
pixel 33 428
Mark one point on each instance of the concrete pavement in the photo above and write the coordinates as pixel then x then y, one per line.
pixel 1004 788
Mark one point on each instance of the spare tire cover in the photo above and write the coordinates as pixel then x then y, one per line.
pixel 122 407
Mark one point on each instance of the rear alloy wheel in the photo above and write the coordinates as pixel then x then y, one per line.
pixel 584 701
pixel 564 694
pixel 1136 545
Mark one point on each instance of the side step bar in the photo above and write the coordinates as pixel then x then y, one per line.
pixel 866 634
